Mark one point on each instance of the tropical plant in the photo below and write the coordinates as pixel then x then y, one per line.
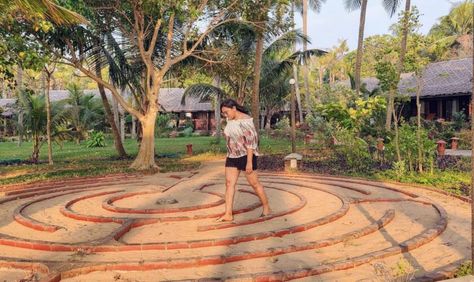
pixel 96 139
pixel 303 6
pixel 154 36
pixel 39 10
pixel 33 109
pixel 83 112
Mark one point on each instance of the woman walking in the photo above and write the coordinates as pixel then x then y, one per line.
pixel 242 152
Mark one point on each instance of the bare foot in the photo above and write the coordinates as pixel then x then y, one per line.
pixel 266 212
pixel 225 219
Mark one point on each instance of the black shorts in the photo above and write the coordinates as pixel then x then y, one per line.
pixel 241 163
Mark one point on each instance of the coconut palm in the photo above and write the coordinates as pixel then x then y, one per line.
pixel 83 112
pixel 303 6
pixel 277 63
pixel 41 9
pixel 33 109
pixel 362 5
pixel 391 7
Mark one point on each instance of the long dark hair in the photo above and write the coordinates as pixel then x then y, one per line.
pixel 230 103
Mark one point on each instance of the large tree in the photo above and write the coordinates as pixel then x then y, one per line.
pixel 362 5
pixel 304 6
pixel 391 7
pixel 154 36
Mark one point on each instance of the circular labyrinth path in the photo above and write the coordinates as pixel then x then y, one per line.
pixel 162 228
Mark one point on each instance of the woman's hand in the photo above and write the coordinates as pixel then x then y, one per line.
pixel 249 168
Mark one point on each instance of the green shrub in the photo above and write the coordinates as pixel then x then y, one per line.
pixel 283 124
pixel 96 139
pixel 464 269
pixel 187 132
pixel 164 124
pixel 409 148
pixel 354 150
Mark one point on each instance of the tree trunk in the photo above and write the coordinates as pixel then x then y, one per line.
pixel 472 163
pixel 390 103
pixel 418 121
pixel 297 91
pixel 19 82
pixel 360 45
pixel 48 117
pixel 305 65
pixel 268 124
pixel 403 50
pixel 122 124
pixel 134 128
pixel 110 117
pixel 116 114
pixel 397 137
pixel 36 149
pixel 145 159
pixel 256 80
pixel 217 108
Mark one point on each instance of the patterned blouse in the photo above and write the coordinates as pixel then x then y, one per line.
pixel 240 134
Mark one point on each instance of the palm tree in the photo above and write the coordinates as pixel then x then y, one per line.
pixel 41 9
pixel 33 107
pixel 48 73
pixel 83 112
pixel 303 5
pixel 276 61
pixel 352 5
pixel 391 7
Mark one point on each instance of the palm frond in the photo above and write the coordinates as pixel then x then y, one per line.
pixel 352 5
pixel 286 41
pixel 391 6
pixel 205 92
pixel 48 10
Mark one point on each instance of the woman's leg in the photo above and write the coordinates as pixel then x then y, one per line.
pixel 252 178
pixel 231 176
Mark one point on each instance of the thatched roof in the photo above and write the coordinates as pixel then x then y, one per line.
pixel 447 78
pixel 169 100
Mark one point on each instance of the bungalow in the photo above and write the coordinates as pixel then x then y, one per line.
pixel 200 113
pixel 446 89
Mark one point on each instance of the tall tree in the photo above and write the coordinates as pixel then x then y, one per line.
pixel 156 36
pixel 48 73
pixel 304 6
pixel 352 5
pixel 391 7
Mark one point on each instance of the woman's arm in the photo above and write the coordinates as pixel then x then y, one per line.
pixel 249 166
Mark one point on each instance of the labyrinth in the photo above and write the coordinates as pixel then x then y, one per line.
pixel 163 228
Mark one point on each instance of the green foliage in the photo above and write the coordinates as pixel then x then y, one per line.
pixel 283 124
pixel 187 132
pixel 400 169
pixel 96 139
pixel 459 120
pixel 81 112
pixel 457 22
pixel 464 269
pixel 387 75
pixel 352 114
pixel 409 148
pixel 353 150
pixel 164 123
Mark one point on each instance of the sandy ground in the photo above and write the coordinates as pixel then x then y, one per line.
pixel 303 199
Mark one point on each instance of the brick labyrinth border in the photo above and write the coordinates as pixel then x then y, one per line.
pixel 128 223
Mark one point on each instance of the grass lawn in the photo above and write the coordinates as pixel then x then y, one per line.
pixel 75 160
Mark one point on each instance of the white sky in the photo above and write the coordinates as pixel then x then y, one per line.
pixel 334 22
